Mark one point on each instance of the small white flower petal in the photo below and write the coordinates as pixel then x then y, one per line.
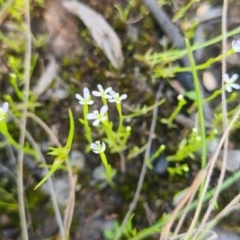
pixel 236 45
pixel 90 102
pixel 228 88
pixel 79 97
pixel 124 96
pixel 94 146
pixel 3 111
pixel 96 122
pixel 100 88
pixel 111 100
pixel 86 93
pixel 112 93
pixel 96 93
pixel 97 147
pixel 235 85
pixel 86 99
pixel 234 77
pixel 103 110
pixel 5 107
pixel 91 116
pixel 108 89
pixel 226 77
pixel 107 96
pixel 230 82
pixel 103 147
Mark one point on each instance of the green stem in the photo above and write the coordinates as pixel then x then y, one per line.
pixel 205 65
pixel 87 128
pixel 199 104
pixel 200 112
pixel 181 103
pixel 4 131
pixel 119 108
pixel 108 169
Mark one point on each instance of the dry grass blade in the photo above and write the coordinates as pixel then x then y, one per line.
pixel 102 33
pixel 191 191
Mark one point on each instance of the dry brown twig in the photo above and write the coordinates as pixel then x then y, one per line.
pixel 191 192
pixel 27 69
pixel 225 121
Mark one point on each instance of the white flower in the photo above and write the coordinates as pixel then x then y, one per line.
pixel 230 82
pixel 180 97
pixel 100 117
pixel 86 99
pixel 102 93
pixel 3 111
pixel 116 97
pixel 194 130
pixel 236 45
pixel 97 147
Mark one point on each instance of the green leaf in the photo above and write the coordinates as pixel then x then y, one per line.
pixel 61 152
pixel 71 132
pixel 57 163
pixel 191 95
pixel 82 121
pixel 7 201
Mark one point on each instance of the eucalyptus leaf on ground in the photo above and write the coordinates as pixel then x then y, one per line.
pixel 103 34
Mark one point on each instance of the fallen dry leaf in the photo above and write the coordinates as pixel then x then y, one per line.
pixel 103 34
pixel 46 78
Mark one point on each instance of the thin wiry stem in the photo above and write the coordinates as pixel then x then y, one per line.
pixel 224 114
pixel 71 200
pixel 49 182
pixel 232 206
pixel 191 191
pixel 212 164
pixel 144 168
pixel 27 66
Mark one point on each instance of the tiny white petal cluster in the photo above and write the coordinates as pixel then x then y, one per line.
pixel 99 117
pixel 102 93
pixel 98 147
pixel 3 111
pixel 180 97
pixel 116 97
pixel 86 99
pixel 194 130
pixel 230 82
pixel 236 45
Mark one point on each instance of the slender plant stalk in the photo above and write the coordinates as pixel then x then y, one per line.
pixel 225 119
pixel 37 149
pixel 143 171
pixel 27 66
pixel 206 195
pixel 143 234
pixel 199 103
pixel 202 124
pixel 70 207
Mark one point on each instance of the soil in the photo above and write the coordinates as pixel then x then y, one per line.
pixel 82 64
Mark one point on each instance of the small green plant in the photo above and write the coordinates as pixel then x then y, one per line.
pixel 7 135
pixel 169 121
pixel 61 153
pixel 123 13
pixel 115 139
pixel 187 147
